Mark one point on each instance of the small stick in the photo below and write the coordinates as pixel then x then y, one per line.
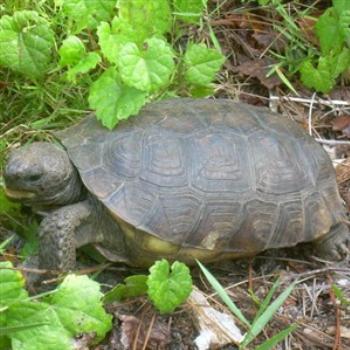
pixel 337 340
pixel 332 142
pixel 149 330
pixel 311 101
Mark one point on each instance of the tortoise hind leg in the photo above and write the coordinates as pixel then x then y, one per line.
pixel 58 236
pixel 336 244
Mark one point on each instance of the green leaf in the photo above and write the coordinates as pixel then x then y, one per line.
pixel 329 32
pixel 51 336
pixel 344 24
pixel 148 69
pixel 223 294
pixel 259 324
pixel 340 63
pixel 73 55
pixel 167 290
pixel 273 341
pixel 10 330
pixel 88 13
pixel 11 285
pixel 87 63
pixel 134 286
pixel 71 51
pixel 5 343
pixel 202 64
pixel 341 6
pixel 26 42
pixel 78 304
pixel 114 100
pixel 319 78
pixel 147 17
pixel 340 295
pixel 111 38
pixel 190 10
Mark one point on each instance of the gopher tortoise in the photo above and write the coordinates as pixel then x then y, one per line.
pixel 186 179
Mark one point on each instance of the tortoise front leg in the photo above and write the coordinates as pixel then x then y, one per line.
pixel 58 236
pixel 336 244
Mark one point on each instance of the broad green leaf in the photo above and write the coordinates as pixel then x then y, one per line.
pixel 88 13
pixel 10 330
pixel 190 10
pixel 344 24
pixel 273 341
pixel 329 32
pixel 111 38
pixel 319 78
pixel 73 55
pixel 11 285
pixel 202 64
pixel 259 324
pixel 148 69
pixel 5 343
pixel 51 336
pixel 26 41
pixel 114 100
pixel 87 63
pixel 340 63
pixel 78 304
pixel 71 51
pixel 341 6
pixel 223 294
pixel 147 17
pixel 168 289
pixel 134 286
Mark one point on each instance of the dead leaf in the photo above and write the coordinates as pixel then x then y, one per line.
pixel 132 327
pixel 258 68
pixel 342 124
pixel 270 39
pixel 344 332
pixel 343 171
pixel 215 328
pixel 307 24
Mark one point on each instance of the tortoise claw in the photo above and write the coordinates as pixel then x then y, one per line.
pixel 336 245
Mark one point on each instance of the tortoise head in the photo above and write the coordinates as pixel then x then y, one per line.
pixel 41 174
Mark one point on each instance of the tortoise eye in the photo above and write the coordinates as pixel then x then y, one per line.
pixel 34 177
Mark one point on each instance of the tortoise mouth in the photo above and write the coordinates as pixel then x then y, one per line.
pixel 17 195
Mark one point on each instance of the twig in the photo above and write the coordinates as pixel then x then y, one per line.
pixel 310 112
pixel 337 340
pixel 149 330
pixel 311 101
pixel 332 142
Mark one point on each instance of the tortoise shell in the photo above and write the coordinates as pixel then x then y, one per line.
pixel 209 174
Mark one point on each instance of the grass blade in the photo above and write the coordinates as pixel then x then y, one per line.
pixel 267 299
pixel 272 342
pixel 266 316
pixel 223 294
